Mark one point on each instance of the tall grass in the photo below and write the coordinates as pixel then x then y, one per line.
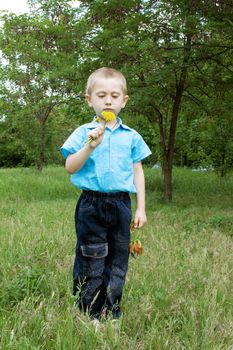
pixel 178 295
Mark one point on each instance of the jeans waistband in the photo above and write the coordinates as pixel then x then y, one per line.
pixel 106 195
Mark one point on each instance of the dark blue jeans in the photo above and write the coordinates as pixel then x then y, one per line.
pixel 101 262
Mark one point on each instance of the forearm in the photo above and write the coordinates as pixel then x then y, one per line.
pixel 75 161
pixel 139 182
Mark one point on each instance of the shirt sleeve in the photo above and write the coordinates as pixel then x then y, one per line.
pixel 74 142
pixel 140 150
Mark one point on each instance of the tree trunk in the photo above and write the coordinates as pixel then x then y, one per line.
pixel 42 117
pixel 167 174
pixel 168 147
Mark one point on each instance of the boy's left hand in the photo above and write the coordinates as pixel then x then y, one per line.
pixel 140 218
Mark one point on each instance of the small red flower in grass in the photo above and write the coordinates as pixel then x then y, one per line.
pixel 136 248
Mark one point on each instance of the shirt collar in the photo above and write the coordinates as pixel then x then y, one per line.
pixel 94 124
pixel 122 125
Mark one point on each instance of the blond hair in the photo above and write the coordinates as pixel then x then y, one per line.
pixel 106 73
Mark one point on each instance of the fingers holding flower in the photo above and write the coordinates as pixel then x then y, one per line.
pixel 95 136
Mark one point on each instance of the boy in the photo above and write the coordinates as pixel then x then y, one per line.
pixel 106 169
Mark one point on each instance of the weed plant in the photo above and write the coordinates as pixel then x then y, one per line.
pixel 178 294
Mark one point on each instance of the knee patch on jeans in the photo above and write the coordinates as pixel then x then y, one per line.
pixel 92 259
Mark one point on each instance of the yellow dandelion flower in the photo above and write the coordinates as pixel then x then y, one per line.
pixel 108 116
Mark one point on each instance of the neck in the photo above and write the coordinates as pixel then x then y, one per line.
pixel 112 124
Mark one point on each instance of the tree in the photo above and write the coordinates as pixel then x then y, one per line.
pixel 40 57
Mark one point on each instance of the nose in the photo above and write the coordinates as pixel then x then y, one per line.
pixel 108 100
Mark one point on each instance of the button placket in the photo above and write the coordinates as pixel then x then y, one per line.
pixel 110 161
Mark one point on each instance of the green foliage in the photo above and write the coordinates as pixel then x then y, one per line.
pixel 206 138
pixel 40 52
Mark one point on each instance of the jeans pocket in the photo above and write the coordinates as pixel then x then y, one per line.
pixel 92 259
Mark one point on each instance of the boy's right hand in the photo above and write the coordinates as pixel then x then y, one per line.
pixel 96 135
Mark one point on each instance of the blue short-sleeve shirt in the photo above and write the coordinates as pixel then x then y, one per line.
pixel 109 168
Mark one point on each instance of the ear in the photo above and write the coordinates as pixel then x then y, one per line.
pixel 88 99
pixel 125 99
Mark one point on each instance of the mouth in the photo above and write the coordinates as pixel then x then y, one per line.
pixel 108 109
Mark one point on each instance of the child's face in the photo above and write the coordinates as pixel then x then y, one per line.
pixel 107 95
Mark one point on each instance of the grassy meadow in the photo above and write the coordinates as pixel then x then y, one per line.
pixel 178 294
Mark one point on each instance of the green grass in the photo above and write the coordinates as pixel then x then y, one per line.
pixel 178 295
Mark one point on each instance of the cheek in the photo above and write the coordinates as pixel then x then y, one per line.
pixel 93 101
pixel 99 100
pixel 121 103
